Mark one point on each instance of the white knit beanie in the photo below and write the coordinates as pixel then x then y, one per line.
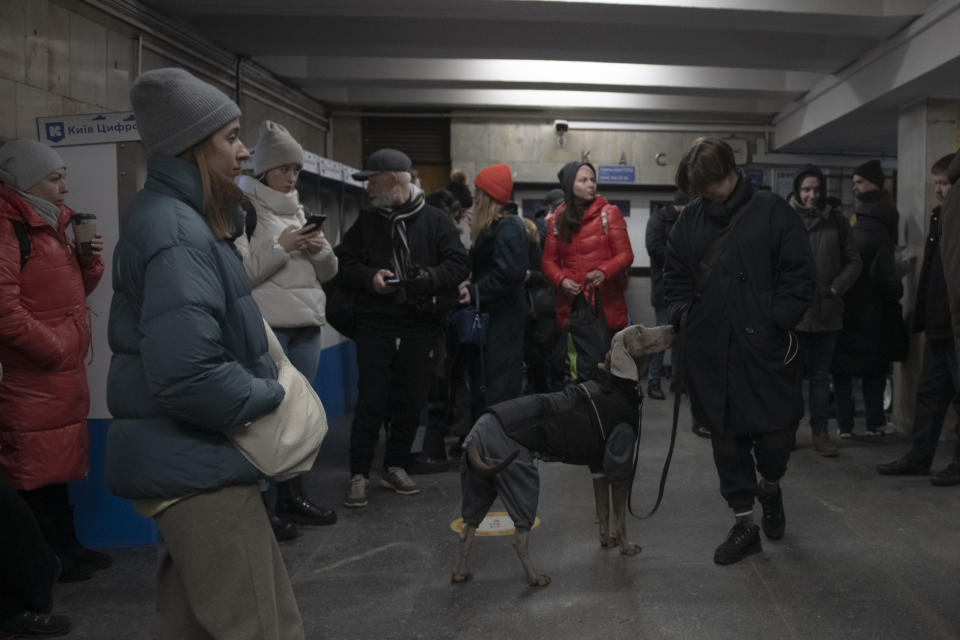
pixel 24 163
pixel 175 110
pixel 275 148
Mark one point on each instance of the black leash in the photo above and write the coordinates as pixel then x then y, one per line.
pixel 666 462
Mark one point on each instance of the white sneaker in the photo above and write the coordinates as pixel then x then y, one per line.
pixel 357 491
pixel 396 478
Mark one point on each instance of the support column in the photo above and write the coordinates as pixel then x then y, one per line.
pixel 926 131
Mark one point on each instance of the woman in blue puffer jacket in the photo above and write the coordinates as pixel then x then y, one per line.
pixel 190 362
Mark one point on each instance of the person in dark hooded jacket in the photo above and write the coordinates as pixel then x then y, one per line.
pixel 862 345
pixel 737 352
pixel 838 265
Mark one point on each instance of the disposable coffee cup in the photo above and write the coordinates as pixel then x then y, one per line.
pixel 84 229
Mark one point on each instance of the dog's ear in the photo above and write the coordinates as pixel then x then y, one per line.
pixel 622 363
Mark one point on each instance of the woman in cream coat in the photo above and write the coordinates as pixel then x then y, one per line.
pixel 286 261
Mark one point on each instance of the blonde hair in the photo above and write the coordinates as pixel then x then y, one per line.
pixel 486 211
pixel 533 235
pixel 220 194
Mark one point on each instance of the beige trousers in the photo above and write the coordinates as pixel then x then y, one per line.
pixel 220 575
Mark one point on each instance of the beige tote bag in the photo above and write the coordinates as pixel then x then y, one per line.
pixel 284 443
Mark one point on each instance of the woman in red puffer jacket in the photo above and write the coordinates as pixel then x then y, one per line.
pixel 44 337
pixel 587 243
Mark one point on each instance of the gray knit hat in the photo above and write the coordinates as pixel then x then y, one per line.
pixel 275 148
pixel 24 163
pixel 175 110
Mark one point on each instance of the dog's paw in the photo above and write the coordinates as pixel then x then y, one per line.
pixel 608 541
pixel 539 580
pixel 459 578
pixel 628 549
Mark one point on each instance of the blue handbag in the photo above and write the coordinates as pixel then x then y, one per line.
pixel 469 325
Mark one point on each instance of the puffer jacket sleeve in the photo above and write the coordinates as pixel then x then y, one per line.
pixel 187 370
pixel 552 268
pixel 325 263
pixel 262 255
pixel 794 267
pixel 20 331
pixel 509 261
pixel 621 252
pixel 91 270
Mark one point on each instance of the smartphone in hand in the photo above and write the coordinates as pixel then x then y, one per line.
pixel 314 221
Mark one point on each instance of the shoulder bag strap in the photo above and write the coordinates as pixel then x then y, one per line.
pixel 709 259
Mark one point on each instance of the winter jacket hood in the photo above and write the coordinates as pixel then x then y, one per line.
pixel 806 172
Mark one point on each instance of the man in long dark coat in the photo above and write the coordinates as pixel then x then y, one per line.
pixel 738 353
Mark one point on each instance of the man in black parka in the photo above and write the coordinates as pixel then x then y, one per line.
pixel 737 351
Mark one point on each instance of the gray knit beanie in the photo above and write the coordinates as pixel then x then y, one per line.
pixel 24 163
pixel 275 148
pixel 175 110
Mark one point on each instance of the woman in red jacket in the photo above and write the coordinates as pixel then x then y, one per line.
pixel 45 277
pixel 587 245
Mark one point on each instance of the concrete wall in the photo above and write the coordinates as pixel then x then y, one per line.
pixel 533 151
pixel 65 57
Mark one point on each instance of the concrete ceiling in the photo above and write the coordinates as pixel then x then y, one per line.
pixel 829 75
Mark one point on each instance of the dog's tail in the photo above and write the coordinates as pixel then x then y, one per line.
pixel 477 464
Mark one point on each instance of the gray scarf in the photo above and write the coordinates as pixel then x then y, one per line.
pixel 46 209
pixel 402 265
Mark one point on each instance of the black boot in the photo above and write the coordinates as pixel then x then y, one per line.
pixel 654 391
pixel 283 528
pixel 48 504
pixel 774 521
pixel 292 503
pixel 742 540
pixel 72 546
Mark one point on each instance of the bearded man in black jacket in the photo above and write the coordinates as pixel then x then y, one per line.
pixel 404 261
pixel 738 277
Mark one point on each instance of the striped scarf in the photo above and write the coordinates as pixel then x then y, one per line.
pixel 403 267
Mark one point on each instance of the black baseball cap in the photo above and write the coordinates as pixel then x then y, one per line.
pixel 383 160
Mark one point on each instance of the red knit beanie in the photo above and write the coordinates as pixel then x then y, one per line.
pixel 496 181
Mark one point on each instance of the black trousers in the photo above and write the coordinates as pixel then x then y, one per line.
pixel 938 386
pixel 27 564
pixel 739 456
pixel 393 385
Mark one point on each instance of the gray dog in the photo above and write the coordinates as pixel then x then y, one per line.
pixel 593 423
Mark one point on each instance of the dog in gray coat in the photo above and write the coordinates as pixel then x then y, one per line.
pixel 593 424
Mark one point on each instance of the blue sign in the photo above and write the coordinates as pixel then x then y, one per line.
pixel 755 176
pixel 94 128
pixel 616 173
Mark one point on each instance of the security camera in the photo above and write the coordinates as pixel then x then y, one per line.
pixel 562 126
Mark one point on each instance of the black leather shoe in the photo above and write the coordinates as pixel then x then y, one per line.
pixel 35 625
pixel 948 477
pixel 741 541
pixel 93 558
pixel 701 430
pixel 427 464
pixel 903 467
pixel 654 391
pixel 73 569
pixel 283 529
pixel 774 520
pixel 303 512
pixel 292 503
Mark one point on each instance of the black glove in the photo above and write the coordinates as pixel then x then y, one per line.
pixel 419 284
